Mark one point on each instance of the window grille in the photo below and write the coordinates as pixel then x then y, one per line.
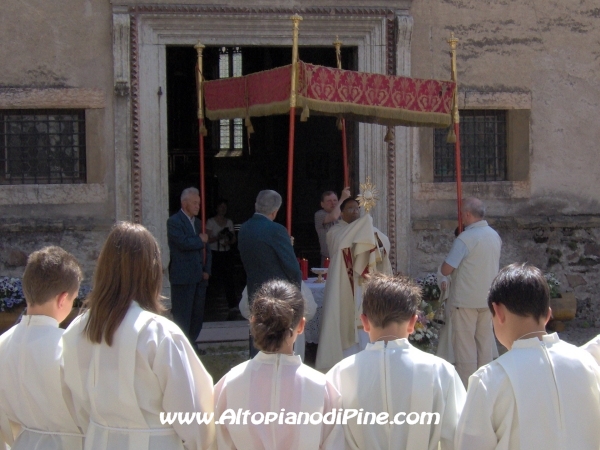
pixel 42 147
pixel 231 132
pixel 482 148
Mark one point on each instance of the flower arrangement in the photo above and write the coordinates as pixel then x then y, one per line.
pixel 553 284
pixel 12 296
pixel 11 293
pixel 429 287
pixel 425 332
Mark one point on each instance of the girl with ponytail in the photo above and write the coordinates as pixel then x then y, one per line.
pixel 279 392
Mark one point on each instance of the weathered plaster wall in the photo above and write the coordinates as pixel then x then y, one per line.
pixel 60 57
pixel 547 49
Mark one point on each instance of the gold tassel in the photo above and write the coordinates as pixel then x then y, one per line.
pixel 249 127
pixel 305 114
pixel 203 131
pixel 389 136
pixel 451 139
pixel 338 123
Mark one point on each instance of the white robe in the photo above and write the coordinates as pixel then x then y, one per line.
pixel 593 347
pixel 539 395
pixel 354 251
pixel 121 390
pixel 33 400
pixel 270 383
pixel 395 378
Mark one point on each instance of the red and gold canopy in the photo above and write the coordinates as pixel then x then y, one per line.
pixel 365 97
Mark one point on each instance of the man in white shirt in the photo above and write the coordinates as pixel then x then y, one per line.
pixel 327 217
pixel 391 376
pixel 473 262
pixel 543 393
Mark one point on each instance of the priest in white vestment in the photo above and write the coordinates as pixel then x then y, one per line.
pixel 36 412
pixel 121 390
pixel 543 393
pixel 391 376
pixel 357 249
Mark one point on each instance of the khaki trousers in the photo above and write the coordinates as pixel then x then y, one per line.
pixel 472 339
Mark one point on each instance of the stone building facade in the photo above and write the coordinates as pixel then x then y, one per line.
pixel 536 62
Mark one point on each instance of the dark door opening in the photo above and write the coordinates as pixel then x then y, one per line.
pixel 238 167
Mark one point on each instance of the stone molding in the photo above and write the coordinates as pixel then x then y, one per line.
pixel 52 194
pixel 524 222
pixel 494 100
pixel 484 190
pixel 52 98
pixel 152 27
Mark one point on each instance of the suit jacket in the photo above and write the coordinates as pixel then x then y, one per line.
pixel 186 247
pixel 267 253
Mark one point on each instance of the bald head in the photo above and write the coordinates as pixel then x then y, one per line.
pixel 473 210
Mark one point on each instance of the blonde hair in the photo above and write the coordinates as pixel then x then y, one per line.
pixel 50 272
pixel 129 268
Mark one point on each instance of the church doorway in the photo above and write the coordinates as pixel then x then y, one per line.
pixel 238 166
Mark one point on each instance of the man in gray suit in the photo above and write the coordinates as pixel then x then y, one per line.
pixel 266 248
pixel 189 268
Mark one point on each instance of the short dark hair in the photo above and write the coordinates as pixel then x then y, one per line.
pixel 348 200
pixel 388 299
pixel 327 194
pixel 50 272
pixel 522 289
pixel 277 308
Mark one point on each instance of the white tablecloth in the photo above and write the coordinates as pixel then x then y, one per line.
pixel 311 330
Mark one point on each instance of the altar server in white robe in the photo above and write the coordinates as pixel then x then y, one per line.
pixel 391 376
pixel 543 393
pixel 593 347
pixel 275 385
pixel 357 249
pixel 35 410
pixel 125 364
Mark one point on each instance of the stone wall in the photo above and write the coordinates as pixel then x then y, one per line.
pixel 567 246
pixel 82 237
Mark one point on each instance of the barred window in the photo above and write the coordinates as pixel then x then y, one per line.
pixel 231 132
pixel 482 148
pixel 42 146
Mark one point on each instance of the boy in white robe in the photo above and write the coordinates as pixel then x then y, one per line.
pixel 35 409
pixel 276 382
pixel 391 376
pixel 543 393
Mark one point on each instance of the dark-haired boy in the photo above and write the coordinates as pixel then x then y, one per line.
pixel 391 376
pixel 37 411
pixel 543 393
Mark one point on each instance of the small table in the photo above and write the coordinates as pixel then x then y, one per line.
pixel 311 329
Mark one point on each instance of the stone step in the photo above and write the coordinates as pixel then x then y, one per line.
pixel 226 332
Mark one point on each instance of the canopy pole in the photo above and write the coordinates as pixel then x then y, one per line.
pixel 456 124
pixel 296 21
pixel 201 133
pixel 338 53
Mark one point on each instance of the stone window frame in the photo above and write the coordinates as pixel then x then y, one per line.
pixel 518 108
pixel 93 102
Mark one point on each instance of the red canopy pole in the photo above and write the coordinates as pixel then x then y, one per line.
pixel 338 53
pixel 201 133
pixel 290 183
pixel 456 123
